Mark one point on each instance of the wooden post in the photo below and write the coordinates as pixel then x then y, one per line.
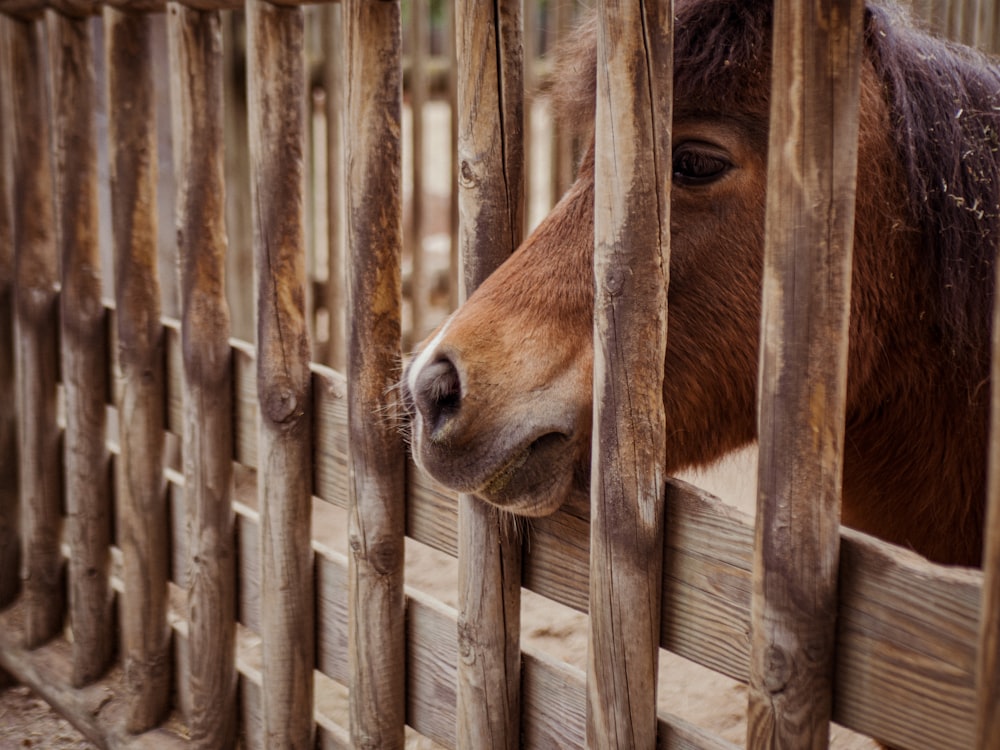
pixel 84 347
pixel 142 506
pixel 376 505
pixel 807 280
pixel 276 82
pixel 491 202
pixel 10 547
pixel 196 66
pixel 419 14
pixel 454 256
pixel 336 224
pixel 631 271
pixel 36 324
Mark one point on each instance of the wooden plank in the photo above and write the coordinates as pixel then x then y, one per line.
pixel 195 44
pixel 98 711
pixel 141 493
pixel 806 307
pixel 10 543
pixel 36 329
pixel 631 271
pixel 377 496
pixel 276 81
pixel 491 204
pixel 84 353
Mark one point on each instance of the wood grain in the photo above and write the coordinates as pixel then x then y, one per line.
pixel 195 44
pixel 491 225
pixel 377 493
pixel 631 272
pixel 276 81
pixel 141 497
pixel 36 335
pixel 84 354
pixel 802 394
pixel 10 543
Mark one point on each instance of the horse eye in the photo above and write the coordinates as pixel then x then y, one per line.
pixel 693 166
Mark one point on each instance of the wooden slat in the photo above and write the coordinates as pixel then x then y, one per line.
pixel 195 44
pixel 141 497
pixel 419 16
pixel 84 354
pixel 276 81
pixel 807 281
pixel 631 271
pixel 491 205
pixel 36 326
pixel 377 497
pixel 10 579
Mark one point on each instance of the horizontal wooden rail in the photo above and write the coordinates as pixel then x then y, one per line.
pixel 906 645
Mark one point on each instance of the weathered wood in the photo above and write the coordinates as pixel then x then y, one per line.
pixel 84 354
pixel 36 328
pixel 807 281
pixel 377 496
pixel 142 519
pixel 335 294
pixel 10 579
pixel 276 82
pixel 631 271
pixel 491 225
pixel 195 43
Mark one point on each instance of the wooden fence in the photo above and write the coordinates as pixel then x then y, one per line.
pixel 154 603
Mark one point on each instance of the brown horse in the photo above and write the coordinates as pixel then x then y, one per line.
pixel 502 391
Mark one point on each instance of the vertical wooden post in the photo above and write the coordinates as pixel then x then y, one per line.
pixel 807 281
pixel 336 224
pixel 276 82
pixel 988 667
pixel 84 347
pixel 143 528
pixel 377 459
pixel 419 13
pixel 196 65
pixel 10 546
pixel 491 203
pixel 454 256
pixel 36 323
pixel 631 271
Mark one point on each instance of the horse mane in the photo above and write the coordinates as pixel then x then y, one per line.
pixel 944 104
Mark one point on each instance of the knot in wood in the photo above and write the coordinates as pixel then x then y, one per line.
pixel 777 669
pixel 467 175
pixel 614 282
pixel 280 405
pixel 466 641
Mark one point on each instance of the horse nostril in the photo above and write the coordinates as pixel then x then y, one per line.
pixel 438 393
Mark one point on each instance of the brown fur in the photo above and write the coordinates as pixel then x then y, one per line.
pixel 926 226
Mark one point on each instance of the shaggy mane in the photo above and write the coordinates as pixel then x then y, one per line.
pixel 944 103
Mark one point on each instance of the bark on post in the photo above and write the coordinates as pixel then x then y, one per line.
pixel 802 392
pixel 491 204
pixel 377 500
pixel 10 544
pixel 141 496
pixel 36 323
pixel 276 84
pixel 195 43
pixel 84 347
pixel 631 271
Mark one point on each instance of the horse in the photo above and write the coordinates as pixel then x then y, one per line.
pixel 500 394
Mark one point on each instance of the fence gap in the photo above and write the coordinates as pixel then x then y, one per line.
pixel 491 204
pixel 335 294
pixel 631 271
pixel 377 500
pixel 35 330
pixel 419 12
pixel 84 347
pixel 276 87
pixel 196 65
pixel 10 542
pixel 809 234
